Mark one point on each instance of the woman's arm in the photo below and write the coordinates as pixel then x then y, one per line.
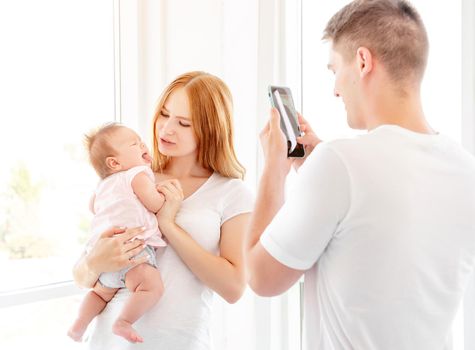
pixel 225 273
pixel 113 251
pixel 147 193
pixel 83 275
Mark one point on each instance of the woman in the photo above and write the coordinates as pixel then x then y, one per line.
pixel 203 219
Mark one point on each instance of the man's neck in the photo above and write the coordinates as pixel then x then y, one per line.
pixel 404 111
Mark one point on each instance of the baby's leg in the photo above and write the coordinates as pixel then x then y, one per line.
pixel 92 305
pixel 145 283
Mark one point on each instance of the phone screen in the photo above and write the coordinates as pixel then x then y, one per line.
pixel 281 98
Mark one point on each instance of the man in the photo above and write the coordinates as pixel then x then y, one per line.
pixel 382 225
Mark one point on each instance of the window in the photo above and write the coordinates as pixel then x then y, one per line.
pixel 57 69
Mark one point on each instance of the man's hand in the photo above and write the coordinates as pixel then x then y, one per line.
pixel 274 145
pixel 309 140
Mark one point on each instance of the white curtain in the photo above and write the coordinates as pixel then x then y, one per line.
pixel 246 43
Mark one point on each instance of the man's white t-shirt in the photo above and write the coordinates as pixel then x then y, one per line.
pixel 384 225
pixel 181 318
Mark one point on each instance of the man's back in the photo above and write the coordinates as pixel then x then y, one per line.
pixel 391 227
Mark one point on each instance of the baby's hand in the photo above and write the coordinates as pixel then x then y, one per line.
pixel 173 193
pixel 157 187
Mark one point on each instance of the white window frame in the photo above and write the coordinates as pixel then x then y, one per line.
pixel 38 293
pixel 468 76
pixel 468 140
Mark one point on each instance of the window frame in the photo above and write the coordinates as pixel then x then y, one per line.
pixel 39 293
pixel 468 141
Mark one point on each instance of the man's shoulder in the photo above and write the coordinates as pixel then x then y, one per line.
pixel 360 149
pixel 349 145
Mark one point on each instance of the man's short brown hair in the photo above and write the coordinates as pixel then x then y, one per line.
pixel 99 147
pixel 391 29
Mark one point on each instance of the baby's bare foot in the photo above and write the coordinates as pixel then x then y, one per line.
pixel 125 330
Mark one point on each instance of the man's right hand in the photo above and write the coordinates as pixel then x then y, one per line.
pixel 274 146
pixel 309 140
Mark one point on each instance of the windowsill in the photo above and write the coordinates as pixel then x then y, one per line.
pixel 38 293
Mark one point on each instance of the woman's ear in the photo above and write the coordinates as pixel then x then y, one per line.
pixel 364 60
pixel 113 164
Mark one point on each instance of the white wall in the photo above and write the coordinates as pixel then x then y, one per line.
pixel 173 37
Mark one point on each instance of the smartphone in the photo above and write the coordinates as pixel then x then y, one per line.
pixel 281 98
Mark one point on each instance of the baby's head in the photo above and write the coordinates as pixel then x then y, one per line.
pixel 114 147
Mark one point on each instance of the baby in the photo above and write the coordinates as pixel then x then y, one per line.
pixel 126 196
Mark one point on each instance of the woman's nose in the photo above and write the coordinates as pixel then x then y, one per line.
pixel 168 128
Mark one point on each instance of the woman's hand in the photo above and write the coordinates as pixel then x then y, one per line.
pixel 173 193
pixel 309 140
pixel 115 250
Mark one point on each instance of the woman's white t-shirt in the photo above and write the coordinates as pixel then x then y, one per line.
pixel 181 319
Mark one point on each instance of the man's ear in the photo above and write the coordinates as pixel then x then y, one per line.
pixel 364 60
pixel 112 163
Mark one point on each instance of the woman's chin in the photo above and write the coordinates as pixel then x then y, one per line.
pixel 165 152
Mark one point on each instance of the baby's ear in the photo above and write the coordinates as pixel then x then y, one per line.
pixel 113 164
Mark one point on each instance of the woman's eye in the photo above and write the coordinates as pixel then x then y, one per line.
pixel 164 115
pixel 185 125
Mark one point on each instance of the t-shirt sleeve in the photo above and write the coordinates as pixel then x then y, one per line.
pixel 132 172
pixel 315 205
pixel 238 200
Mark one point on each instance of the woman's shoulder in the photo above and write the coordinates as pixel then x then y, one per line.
pixel 235 196
pixel 227 182
pixel 230 186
